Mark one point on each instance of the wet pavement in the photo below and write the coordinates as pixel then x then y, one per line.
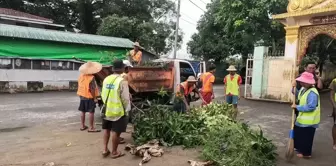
pixel 19 112
pixel 31 109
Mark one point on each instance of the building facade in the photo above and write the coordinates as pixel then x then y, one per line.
pixel 36 59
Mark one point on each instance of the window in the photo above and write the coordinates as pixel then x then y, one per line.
pixel 61 65
pixel 41 65
pixel 21 24
pixel 77 65
pixel 186 71
pixel 6 64
pixel 22 63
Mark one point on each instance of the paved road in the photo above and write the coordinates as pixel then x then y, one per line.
pixel 18 111
pixel 30 109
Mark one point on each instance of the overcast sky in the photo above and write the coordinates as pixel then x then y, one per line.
pixel 190 14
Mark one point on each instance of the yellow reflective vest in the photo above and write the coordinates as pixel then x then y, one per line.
pixel 232 86
pixel 309 118
pixel 111 89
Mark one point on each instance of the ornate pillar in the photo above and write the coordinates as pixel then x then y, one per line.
pixel 292 42
pixel 291 54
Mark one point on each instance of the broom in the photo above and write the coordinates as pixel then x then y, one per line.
pixel 290 145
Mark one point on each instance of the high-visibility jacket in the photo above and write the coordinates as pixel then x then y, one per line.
pixel 136 56
pixel 114 105
pixel 232 86
pixel 309 118
pixel 84 86
pixel 187 90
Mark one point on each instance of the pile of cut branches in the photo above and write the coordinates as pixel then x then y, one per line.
pixel 164 65
pixel 224 140
pixel 146 151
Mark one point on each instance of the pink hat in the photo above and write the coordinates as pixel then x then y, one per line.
pixel 307 78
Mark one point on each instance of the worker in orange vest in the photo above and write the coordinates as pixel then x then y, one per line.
pixel 182 96
pixel 232 83
pixel 88 93
pixel 135 54
pixel 207 80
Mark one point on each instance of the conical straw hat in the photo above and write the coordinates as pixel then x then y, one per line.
pixel 90 68
pixel 231 68
pixel 191 79
pixel 137 44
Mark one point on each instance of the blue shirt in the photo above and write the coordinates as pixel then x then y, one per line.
pixel 312 103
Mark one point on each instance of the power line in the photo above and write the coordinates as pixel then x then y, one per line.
pixel 163 14
pixel 203 2
pixel 188 21
pixel 185 15
pixel 196 5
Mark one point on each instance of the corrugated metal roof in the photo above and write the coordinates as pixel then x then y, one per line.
pixel 61 36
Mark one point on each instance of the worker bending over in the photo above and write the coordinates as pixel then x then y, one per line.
pixel 182 97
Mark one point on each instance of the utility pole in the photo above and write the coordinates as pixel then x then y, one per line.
pixel 177 27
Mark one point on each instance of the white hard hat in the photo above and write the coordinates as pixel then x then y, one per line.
pixel 127 63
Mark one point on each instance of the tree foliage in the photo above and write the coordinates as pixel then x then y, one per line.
pixel 147 21
pixel 12 4
pixel 156 37
pixel 238 25
pixel 210 41
pixel 61 12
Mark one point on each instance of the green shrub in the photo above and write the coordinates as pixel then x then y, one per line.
pixel 161 122
pixel 237 145
pixel 224 140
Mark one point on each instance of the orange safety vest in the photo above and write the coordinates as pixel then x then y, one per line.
pixel 187 90
pixel 84 86
pixel 205 78
pixel 136 56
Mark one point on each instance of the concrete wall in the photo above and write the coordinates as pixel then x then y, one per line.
pixel 271 76
pixel 16 80
pixel 279 79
